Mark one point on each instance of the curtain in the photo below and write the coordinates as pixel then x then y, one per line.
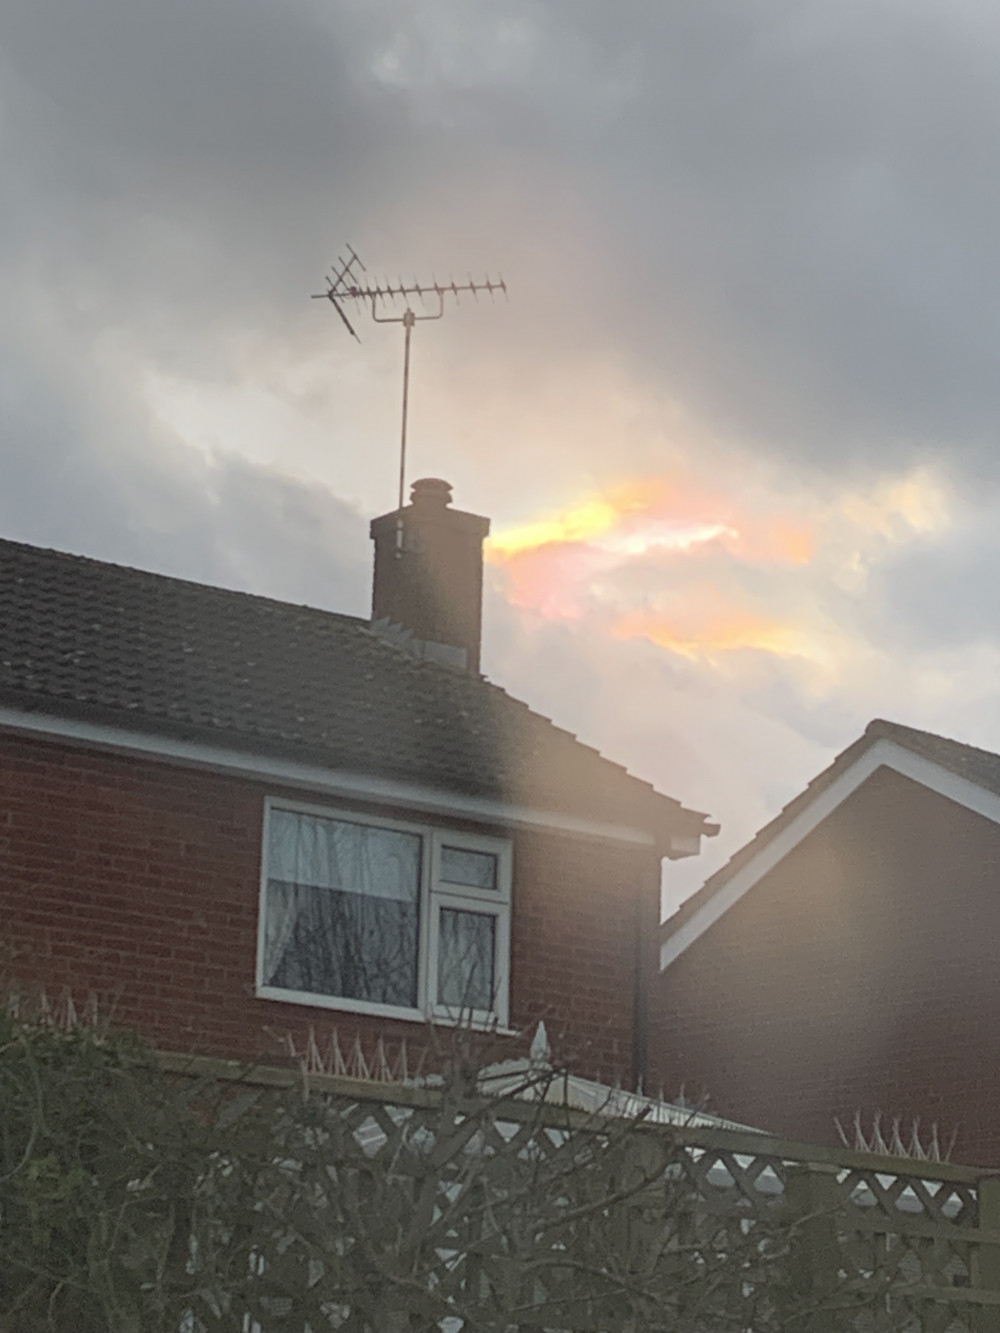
pixel 342 909
pixel 466 951
pixel 461 866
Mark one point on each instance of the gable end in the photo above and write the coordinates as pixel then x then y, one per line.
pixel 732 884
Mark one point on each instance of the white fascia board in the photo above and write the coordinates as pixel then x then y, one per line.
pixel 312 777
pixel 681 846
pixel 883 753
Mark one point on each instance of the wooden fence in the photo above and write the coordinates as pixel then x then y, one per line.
pixel 862 1243
pixel 882 1242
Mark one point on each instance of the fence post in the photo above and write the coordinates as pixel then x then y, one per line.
pixel 814 1253
pixel 987 1270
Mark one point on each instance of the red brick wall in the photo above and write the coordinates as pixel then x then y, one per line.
pixel 138 882
pixel 862 973
pixel 574 946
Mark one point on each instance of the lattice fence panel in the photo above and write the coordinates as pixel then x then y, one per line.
pixel 493 1222
pixel 731 1182
pixel 907 1247
pixel 382 1218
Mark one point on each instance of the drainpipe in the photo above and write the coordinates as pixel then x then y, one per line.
pixel 641 985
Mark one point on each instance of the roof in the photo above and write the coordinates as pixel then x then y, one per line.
pixel 83 639
pixel 979 767
pixel 967 761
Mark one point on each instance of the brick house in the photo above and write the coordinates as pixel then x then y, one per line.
pixel 229 818
pixel 847 960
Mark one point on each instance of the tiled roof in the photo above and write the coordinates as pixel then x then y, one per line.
pixel 979 766
pixel 83 639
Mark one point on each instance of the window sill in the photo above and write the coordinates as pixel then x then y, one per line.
pixel 370 1009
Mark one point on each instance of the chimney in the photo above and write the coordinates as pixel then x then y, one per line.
pixel 429 574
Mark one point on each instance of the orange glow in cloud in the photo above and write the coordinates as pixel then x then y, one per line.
pixel 573 563
pixel 706 571
pixel 590 520
pixel 720 631
pixel 652 513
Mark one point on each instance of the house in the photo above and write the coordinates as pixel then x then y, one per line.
pixel 846 962
pixel 234 821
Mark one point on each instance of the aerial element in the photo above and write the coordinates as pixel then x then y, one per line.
pixel 348 283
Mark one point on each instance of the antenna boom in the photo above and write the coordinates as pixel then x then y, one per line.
pixel 345 284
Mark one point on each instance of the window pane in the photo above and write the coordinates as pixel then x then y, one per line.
pixel 476 869
pixel 342 913
pixel 466 948
pixel 332 853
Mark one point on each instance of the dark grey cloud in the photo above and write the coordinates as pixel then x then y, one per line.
pixel 785 214
pixel 811 211
pixel 944 590
pixel 180 157
pixel 83 468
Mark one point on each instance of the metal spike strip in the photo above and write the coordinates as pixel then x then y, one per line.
pixel 63 1013
pixel 380 1067
pixel 914 1148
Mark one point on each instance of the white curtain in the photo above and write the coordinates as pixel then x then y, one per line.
pixel 342 911
pixel 466 952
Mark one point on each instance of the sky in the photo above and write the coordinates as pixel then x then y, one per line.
pixel 736 427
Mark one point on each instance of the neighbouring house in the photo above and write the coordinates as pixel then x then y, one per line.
pixel 233 820
pixel 846 962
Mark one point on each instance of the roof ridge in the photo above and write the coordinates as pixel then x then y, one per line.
pixel 881 726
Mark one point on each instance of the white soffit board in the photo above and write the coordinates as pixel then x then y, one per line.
pixel 883 753
pixel 311 777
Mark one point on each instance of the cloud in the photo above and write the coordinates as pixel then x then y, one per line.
pixel 736 426
pixel 942 590
pixel 86 467
pixel 707 570
pixel 688 190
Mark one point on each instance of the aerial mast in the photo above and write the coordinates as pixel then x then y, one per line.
pixel 348 285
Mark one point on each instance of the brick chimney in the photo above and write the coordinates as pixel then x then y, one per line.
pixel 429 574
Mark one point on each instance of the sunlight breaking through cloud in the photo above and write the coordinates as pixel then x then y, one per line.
pixel 705 573
pixel 646 514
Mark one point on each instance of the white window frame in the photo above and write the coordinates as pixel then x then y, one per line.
pixel 435 893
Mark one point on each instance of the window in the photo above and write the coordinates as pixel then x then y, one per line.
pixel 383 917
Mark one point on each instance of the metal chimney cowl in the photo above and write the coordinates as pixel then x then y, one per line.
pixel 428 577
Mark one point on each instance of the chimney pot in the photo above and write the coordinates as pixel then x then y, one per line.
pixel 430 491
